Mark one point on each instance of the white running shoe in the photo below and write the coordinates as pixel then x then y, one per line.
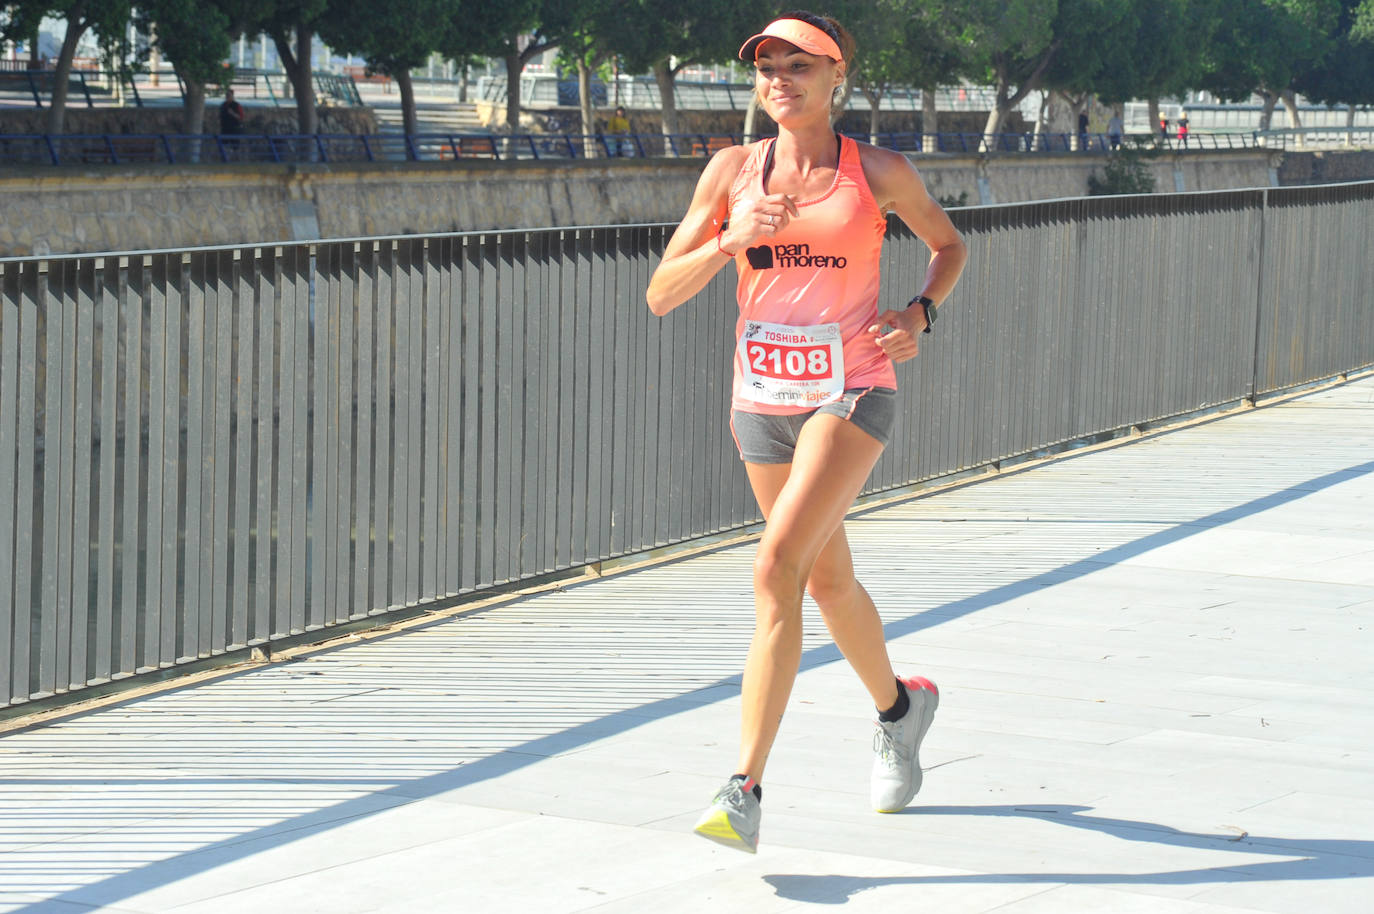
pixel 897 747
pixel 733 817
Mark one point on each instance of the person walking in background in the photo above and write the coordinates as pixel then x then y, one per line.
pixel 1183 130
pixel 1115 129
pixel 231 115
pixel 618 126
pixel 231 119
pixel 1083 131
pixel 1164 129
pixel 802 216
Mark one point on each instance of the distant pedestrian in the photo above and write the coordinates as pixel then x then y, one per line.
pixel 1083 131
pixel 231 115
pixel 231 118
pixel 1183 131
pixel 1164 128
pixel 1114 131
pixel 618 126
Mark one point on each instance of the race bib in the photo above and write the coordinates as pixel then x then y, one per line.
pixel 791 366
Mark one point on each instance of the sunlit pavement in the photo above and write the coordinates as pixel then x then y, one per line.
pixel 1154 663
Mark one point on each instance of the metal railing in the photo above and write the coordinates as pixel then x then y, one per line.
pixel 1317 137
pixel 205 450
pixel 122 88
pixel 124 148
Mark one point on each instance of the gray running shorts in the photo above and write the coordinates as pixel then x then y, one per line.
pixel 762 438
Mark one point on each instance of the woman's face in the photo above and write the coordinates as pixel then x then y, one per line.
pixel 793 85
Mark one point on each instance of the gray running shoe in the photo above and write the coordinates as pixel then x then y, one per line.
pixel 897 747
pixel 733 817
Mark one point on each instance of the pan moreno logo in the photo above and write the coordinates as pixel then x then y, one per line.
pixel 780 256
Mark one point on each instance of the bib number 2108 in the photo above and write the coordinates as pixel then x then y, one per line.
pixel 792 366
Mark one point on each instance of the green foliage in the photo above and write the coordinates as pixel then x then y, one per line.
pixel 1125 173
pixel 901 43
pixel 1346 74
pixel 194 35
pixel 393 37
pixel 645 33
pixel 948 200
pixel 1266 48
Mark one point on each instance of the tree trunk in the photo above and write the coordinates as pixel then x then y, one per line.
pixel 35 59
pixel 667 79
pixel 1290 102
pixel 1154 118
pixel 154 56
pixel 193 119
pixel 1349 125
pixel 1077 106
pixel 306 114
pixel 875 98
pixel 407 88
pixel 296 63
pixel 57 110
pixel 930 121
pixel 1267 115
pixel 584 103
pixel 751 114
pixel 463 85
pixel 514 67
pixel 998 114
pixel 1000 106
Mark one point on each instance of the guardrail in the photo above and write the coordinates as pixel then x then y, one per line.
pixel 1316 137
pixel 214 449
pixel 116 149
pixel 97 84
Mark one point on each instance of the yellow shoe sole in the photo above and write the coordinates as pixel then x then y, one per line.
pixel 715 826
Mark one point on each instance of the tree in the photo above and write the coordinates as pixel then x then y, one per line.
pixel 104 17
pixel 195 35
pixel 1011 44
pixel 1095 36
pixel 1165 54
pixel 1264 53
pixel 585 53
pixel 516 31
pixel 387 37
pixel 1346 75
pixel 664 37
pixel 902 43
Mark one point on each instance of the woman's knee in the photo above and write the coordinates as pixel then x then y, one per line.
pixel 833 591
pixel 778 574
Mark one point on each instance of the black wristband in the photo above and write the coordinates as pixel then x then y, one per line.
pixel 928 304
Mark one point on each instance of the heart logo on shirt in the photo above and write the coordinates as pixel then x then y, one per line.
pixel 760 258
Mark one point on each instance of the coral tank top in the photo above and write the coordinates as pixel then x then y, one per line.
pixel 808 295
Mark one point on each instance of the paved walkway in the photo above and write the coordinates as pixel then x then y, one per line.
pixel 1154 662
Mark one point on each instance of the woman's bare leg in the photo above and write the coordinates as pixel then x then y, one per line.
pixel 832 460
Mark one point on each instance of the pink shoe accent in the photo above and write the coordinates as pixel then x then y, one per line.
pixel 919 682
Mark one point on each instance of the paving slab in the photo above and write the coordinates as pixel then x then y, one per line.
pixel 1153 662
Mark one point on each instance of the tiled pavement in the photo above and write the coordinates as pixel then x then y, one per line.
pixel 1155 670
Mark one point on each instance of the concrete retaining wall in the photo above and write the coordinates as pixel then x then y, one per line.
pixel 46 210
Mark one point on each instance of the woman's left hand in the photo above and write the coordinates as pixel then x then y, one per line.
pixel 896 331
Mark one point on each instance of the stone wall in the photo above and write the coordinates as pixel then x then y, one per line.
pixel 1327 167
pixel 108 208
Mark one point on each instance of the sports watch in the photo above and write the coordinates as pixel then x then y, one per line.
pixel 928 304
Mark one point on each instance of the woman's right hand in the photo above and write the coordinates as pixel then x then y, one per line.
pixel 752 219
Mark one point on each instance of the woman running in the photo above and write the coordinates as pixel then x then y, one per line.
pixel 803 218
